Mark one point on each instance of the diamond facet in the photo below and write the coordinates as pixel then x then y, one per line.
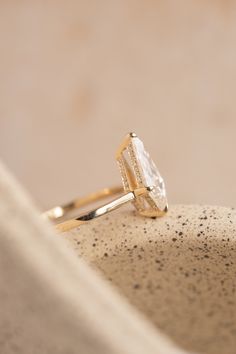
pixel 150 174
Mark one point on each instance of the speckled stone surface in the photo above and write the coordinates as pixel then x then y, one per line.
pixel 179 270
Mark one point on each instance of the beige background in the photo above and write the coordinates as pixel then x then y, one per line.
pixel 78 75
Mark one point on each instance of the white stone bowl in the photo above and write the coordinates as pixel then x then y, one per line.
pixel 179 270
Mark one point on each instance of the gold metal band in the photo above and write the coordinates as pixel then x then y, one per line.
pixel 60 212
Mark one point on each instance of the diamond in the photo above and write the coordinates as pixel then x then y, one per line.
pixel 150 175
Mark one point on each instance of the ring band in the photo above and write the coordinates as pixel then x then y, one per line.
pixel 142 185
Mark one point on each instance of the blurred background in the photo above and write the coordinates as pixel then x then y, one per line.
pixel 76 76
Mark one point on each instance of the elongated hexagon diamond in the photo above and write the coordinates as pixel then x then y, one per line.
pixel 139 171
pixel 149 174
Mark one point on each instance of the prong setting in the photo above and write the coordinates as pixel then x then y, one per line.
pixel 133 135
pixel 142 174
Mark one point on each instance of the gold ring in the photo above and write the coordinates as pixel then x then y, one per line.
pixel 142 185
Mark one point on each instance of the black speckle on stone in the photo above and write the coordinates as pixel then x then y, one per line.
pixel 206 256
pixel 203 218
pixel 136 286
pixel 94 244
pixel 105 254
pixel 174 239
pixel 153 217
pixel 210 313
pixel 180 233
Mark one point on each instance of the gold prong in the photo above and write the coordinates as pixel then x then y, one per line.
pixel 140 191
pixel 133 135
pixel 150 188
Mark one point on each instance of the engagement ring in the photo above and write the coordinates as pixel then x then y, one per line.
pixel 142 185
